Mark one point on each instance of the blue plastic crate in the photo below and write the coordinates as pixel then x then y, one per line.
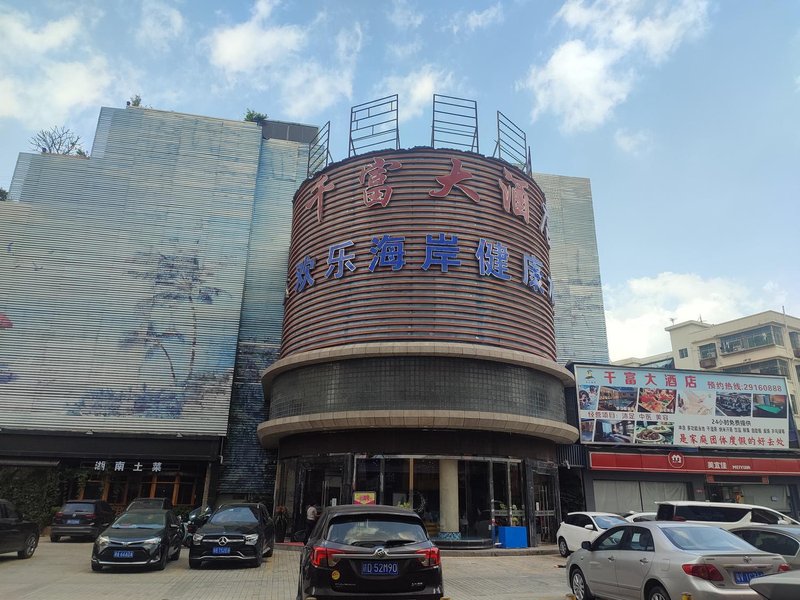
pixel 512 537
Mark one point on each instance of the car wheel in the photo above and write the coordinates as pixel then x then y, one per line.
pixel 195 564
pixel 563 550
pixel 269 552
pixel 300 586
pixel 55 538
pixel 177 554
pixel 658 593
pixel 162 564
pixel 30 546
pixel 259 559
pixel 578 584
pixel 96 568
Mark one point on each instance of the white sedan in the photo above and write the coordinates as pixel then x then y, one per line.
pixel 579 527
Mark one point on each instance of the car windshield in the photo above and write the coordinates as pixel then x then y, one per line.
pixel 85 507
pixel 371 531
pixel 139 520
pixel 606 521
pixel 234 514
pixel 705 539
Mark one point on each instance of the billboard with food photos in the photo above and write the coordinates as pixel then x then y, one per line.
pixel 656 407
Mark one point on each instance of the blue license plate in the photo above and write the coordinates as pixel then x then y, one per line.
pixel 220 550
pixel 746 576
pixel 123 553
pixel 73 521
pixel 379 568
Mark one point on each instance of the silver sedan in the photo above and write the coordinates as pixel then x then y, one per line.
pixel 660 560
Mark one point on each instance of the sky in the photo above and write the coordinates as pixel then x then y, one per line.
pixel 684 114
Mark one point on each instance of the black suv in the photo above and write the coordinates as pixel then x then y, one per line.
pixel 241 532
pixel 17 534
pixel 370 551
pixel 86 518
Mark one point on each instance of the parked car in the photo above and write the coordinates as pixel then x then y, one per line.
pixel 16 533
pixel 194 521
pixel 780 539
pixel 579 527
pixel 138 538
pixel 241 532
pixel 660 560
pixel 783 586
pixel 81 518
pixel 150 503
pixel 722 514
pixel 636 517
pixel 371 551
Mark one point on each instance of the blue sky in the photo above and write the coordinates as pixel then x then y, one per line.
pixel 684 114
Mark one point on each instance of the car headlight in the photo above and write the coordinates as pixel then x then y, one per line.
pixel 251 539
pixel 102 542
pixel 151 543
pixel 197 538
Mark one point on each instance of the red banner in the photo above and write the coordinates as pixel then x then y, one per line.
pixel 677 461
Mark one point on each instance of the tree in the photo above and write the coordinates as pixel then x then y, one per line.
pixel 3 195
pixel 255 117
pixel 136 100
pixel 57 140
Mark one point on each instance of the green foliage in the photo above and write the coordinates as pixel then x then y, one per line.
pixel 255 117
pixel 136 100
pixel 38 492
pixel 3 195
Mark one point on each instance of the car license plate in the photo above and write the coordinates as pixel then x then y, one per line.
pixel 379 568
pixel 221 550
pixel 123 553
pixel 746 576
pixel 73 521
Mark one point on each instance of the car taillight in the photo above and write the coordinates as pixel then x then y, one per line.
pixel 59 515
pixel 90 515
pixel 783 568
pixel 707 572
pixel 430 557
pixel 322 557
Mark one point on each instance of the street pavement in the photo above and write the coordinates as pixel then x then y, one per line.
pixel 61 572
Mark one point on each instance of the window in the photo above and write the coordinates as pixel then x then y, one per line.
pixel 716 514
pixel 608 521
pixel 776 366
pixel 683 353
pixel 777 543
pixel 376 530
pixel 641 540
pixel 707 351
pixel 765 516
pixel 611 540
pixel 583 521
pixel 705 539
pixel 768 335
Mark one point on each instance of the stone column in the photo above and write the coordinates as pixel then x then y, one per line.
pixel 448 499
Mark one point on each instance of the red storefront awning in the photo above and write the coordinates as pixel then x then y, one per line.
pixel 678 462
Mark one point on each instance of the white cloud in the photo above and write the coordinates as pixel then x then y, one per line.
pixel 632 142
pixel 638 310
pixel 46 76
pixel 404 51
pixel 160 26
pixel 590 74
pixel 404 16
pixel 252 47
pixel 415 89
pixel 475 20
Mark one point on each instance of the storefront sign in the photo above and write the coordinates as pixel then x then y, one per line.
pixel 364 497
pixel 135 466
pixel 619 461
pixel 652 407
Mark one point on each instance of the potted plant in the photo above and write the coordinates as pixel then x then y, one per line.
pixel 281 522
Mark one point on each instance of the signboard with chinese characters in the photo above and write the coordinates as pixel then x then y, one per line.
pixel 388 243
pixel 364 497
pixel 653 407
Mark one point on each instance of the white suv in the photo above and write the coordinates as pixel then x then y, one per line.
pixel 579 527
pixel 722 514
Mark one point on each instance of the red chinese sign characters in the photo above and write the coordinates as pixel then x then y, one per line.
pixel 515 195
pixel 374 176
pixel 454 179
pixel 321 186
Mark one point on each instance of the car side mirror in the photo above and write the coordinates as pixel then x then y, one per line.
pixel 586 545
pixel 589 527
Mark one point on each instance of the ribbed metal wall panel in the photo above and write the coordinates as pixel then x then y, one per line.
pixel 248 468
pixel 579 316
pixel 122 277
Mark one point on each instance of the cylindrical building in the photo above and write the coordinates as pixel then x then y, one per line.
pixel 418 356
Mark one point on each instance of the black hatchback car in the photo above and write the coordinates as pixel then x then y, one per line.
pixel 242 532
pixel 370 552
pixel 16 533
pixel 145 538
pixel 84 518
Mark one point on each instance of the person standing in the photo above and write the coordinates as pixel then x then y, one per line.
pixel 311 519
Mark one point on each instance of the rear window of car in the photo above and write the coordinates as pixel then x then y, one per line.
pixel 608 521
pixel 85 507
pixel 375 531
pixel 709 512
pixel 705 539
